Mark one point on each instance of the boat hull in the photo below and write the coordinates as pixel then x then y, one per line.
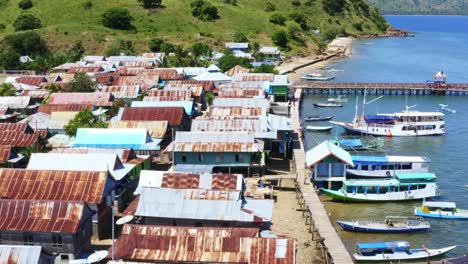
pixel 319 129
pixel 356 227
pixel 339 195
pixel 317 119
pixel 388 131
pixel 415 254
pixel 442 215
pixel 328 105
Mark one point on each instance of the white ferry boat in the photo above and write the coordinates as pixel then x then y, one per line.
pixel 386 166
pixel 405 124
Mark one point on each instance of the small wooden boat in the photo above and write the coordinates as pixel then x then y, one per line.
pixel 442 210
pixel 328 105
pixel 317 77
pixel 319 128
pixel 318 118
pixel 392 224
pixel 397 250
pixel 445 108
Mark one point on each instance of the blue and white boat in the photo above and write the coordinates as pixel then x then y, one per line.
pixel 392 224
pixel 383 166
pixel 442 210
pixel 397 250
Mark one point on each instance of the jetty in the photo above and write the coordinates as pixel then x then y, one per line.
pixel 323 232
pixel 335 88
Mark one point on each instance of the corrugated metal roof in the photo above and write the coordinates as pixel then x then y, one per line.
pixel 85 186
pixel 162 73
pixel 215 147
pixel 237 70
pixel 122 92
pixel 245 85
pixel 237 111
pixel 187 105
pixel 215 142
pixel 80 162
pixel 145 82
pixel 208 86
pixel 31 80
pixel 38 94
pixel 15 102
pixel 156 129
pixel 324 150
pixel 229 125
pixel 202 245
pixel 200 204
pixel 4 153
pixel 242 92
pixel 269 50
pixel 241 102
pixel 197 89
pixel 15 139
pixel 41 216
pixel 214 137
pixel 66 66
pixel 236 45
pixel 253 77
pixel 85 69
pixel 174 115
pixel 15 254
pixel 183 94
pixel 49 108
pixel 124 154
pixel 98 98
pixel 60 119
pixel 135 138
pixel 13 127
pixel 138 64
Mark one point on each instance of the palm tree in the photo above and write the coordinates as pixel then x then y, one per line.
pixel 7 89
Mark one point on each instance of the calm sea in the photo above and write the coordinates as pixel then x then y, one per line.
pixel 440 44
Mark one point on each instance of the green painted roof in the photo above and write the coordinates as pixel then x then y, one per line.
pixel 428 176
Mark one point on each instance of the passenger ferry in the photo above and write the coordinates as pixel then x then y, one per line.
pixel 386 166
pixel 403 187
pixel 442 210
pixel 406 123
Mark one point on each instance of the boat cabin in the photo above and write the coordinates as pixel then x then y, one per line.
pixel 416 116
pixel 400 183
pixel 372 249
pixel 364 165
pixel 450 207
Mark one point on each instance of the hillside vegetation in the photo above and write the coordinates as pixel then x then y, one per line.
pixel 63 22
pixel 436 7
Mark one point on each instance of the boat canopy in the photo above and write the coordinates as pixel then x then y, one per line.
pixel 370 183
pixel 396 246
pixel 427 176
pixel 450 205
pixel 379 119
pixel 351 142
pixel 383 160
pixel 413 113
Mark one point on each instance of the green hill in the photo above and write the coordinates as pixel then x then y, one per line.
pixel 436 7
pixel 65 21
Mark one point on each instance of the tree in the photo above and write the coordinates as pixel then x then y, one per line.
pixel 240 37
pixel 26 22
pixel 82 83
pixel 333 7
pixel 25 4
pixel 265 68
pixel 201 49
pixel 27 43
pixel 270 7
pixel 204 10
pixel 278 18
pixel 167 47
pixel 126 47
pixel 117 18
pixel 209 98
pixel 76 51
pixel 300 18
pixel 151 3
pixel 296 3
pixel 280 38
pixel 84 119
pixel 155 44
pixel 293 29
pixel 229 61
pixel 54 88
pixel 9 60
pixel 7 89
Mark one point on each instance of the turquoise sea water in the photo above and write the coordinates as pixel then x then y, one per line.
pixel 440 44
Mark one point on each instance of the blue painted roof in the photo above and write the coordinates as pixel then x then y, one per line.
pixel 135 138
pixel 187 105
pixel 351 142
pixel 369 160
pixel 395 245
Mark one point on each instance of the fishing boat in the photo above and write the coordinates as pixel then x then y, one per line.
pixel 396 250
pixel 445 108
pixel 392 224
pixel 318 118
pixel 383 166
pixel 317 77
pixel 403 187
pixel 319 128
pixel 328 105
pixel 357 144
pixel 443 210
pixel 339 99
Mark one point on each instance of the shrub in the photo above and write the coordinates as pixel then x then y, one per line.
pixel 150 3
pixel 299 18
pixel 27 43
pixel 2 27
pixel 117 18
pixel 278 18
pixel 265 68
pixel 25 4
pixel 280 38
pixel 84 119
pixel 293 29
pixel 357 26
pixel 9 60
pixel 200 49
pixel 270 7
pixel 296 3
pixel 309 2
pixel 155 45
pixel 240 37
pixel 87 5
pixel 82 83
pixel 204 10
pixel 167 47
pixel 229 61
pixel 333 7
pixel 27 21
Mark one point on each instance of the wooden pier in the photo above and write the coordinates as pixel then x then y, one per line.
pixel 331 88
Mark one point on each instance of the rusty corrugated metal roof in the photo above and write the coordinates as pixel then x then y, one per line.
pixel 192 181
pixel 85 186
pixel 123 91
pixel 214 147
pixel 41 216
pixel 36 93
pixel 13 127
pixel 16 139
pixel 253 77
pixel 4 153
pixel 138 64
pixel 98 98
pixel 241 93
pixel 202 245
pixel 197 89
pixel 49 108
pixel 229 125
pixel 156 129
pixel 163 73
pixel 31 80
pixel 236 111
pixel 145 82
pixel 236 70
pixel 85 69
pixel 181 95
pixel 208 86
pixel 107 78
pixel 174 115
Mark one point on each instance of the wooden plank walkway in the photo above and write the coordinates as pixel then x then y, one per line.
pixel 332 241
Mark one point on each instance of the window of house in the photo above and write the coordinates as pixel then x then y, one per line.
pixel 64 257
pixel 184 157
pixel 28 240
pixel 200 157
pixel 220 157
pixel 57 242
pixel 239 158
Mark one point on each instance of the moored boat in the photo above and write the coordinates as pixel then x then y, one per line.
pixel 396 250
pixel 318 118
pixel 339 99
pixel 357 144
pixel 392 224
pixel 446 108
pixel 403 187
pixel 383 166
pixel 328 105
pixel 442 210
pixel 317 77
pixel 319 128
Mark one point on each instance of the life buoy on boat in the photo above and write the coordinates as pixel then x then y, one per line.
pixel 389 133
